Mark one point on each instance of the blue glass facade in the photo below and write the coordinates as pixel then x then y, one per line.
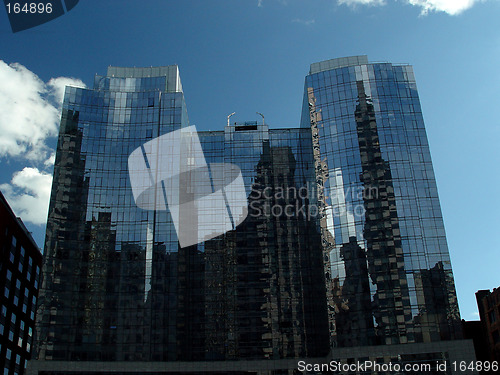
pixel 389 271
pixel 343 245
pixel 100 246
pixel 271 284
pixel 117 285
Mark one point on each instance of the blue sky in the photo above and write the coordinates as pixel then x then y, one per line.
pixel 253 55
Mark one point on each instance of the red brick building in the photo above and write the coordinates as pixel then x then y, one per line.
pixel 489 312
pixel 20 263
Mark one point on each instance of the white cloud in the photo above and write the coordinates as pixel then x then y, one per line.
pixel 28 194
pixel 259 3
pixel 29 116
pixel 50 161
pixel 452 7
pixel 29 111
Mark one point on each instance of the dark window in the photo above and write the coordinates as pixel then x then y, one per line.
pixel 245 127
pixel 492 316
pixel 496 337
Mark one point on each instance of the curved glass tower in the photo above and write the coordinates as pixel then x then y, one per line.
pixel 102 252
pixel 389 276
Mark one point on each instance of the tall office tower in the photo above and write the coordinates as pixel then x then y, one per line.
pixel 101 299
pixel 20 264
pixel 118 286
pixel 342 254
pixel 388 272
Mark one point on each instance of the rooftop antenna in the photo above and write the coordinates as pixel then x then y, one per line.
pixel 229 117
pixel 263 123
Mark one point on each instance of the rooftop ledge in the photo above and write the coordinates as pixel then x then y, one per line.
pixel 342 62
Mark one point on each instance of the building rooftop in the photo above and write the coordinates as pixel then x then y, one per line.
pixel 338 63
pixel 152 71
pixel 171 72
pixel 17 219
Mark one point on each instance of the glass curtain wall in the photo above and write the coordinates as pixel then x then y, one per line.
pixel 389 277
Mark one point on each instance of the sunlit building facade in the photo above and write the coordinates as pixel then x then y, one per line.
pixel 342 254
pixel 389 267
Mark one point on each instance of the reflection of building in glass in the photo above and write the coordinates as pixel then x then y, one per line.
pixel 20 263
pixel 380 206
pixel 274 288
pixel 391 302
pixel 342 254
pixel 353 306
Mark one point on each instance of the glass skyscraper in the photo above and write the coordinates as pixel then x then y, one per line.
pixel 342 256
pixel 389 267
